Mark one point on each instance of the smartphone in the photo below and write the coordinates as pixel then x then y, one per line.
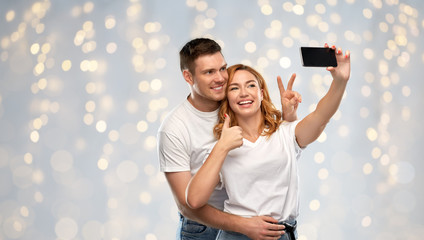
pixel 318 57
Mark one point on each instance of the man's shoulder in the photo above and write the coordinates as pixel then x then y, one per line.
pixel 176 118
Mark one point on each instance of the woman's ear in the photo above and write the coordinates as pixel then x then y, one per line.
pixel 262 94
pixel 188 77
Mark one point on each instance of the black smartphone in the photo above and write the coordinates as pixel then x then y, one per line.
pixel 318 57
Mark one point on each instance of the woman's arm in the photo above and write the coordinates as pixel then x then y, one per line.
pixel 203 183
pixel 310 128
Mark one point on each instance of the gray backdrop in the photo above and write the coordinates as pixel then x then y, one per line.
pixel 85 84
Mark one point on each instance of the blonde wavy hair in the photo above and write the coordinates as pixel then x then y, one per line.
pixel 271 116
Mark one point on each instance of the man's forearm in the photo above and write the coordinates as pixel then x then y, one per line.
pixel 214 217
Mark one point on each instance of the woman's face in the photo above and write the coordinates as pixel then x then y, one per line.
pixel 244 94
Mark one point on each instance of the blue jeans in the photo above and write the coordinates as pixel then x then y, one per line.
pixel 227 235
pixel 191 230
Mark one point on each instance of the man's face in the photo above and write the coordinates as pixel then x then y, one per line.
pixel 209 79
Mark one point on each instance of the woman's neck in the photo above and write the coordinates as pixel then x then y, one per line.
pixel 252 126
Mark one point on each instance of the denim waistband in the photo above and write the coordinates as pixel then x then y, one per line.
pixel 290 228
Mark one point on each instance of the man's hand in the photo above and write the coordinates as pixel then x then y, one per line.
pixel 289 99
pixel 263 228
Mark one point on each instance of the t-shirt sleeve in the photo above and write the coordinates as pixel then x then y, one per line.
pixel 220 184
pixel 291 127
pixel 172 153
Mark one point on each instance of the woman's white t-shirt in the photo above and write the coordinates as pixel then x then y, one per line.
pixel 261 178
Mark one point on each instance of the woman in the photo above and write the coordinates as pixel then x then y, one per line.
pixel 260 151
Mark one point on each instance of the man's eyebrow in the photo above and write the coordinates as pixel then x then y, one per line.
pixel 208 69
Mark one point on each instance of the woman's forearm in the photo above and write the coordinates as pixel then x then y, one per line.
pixel 203 183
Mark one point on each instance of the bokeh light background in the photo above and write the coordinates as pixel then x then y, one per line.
pixel 85 84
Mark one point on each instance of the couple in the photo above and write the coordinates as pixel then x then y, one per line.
pixel 230 160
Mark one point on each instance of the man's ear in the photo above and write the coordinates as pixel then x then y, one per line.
pixel 188 76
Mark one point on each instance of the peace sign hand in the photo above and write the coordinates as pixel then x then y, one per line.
pixel 289 99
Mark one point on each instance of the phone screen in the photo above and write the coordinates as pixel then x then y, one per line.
pixel 318 57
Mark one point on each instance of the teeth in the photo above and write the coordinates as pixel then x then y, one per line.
pixel 245 102
pixel 218 88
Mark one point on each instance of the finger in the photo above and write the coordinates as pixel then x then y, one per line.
pixel 269 219
pixel 280 85
pixel 347 54
pixel 339 51
pixel 294 101
pixel 274 235
pixel 326 45
pixel 291 81
pixel 226 122
pixel 298 96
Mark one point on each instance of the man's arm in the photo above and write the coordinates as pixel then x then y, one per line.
pixel 309 129
pixel 261 227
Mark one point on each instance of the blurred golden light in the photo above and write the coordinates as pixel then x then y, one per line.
pixel 323 174
pixel 367 13
pixel 298 9
pixel 366 221
pixel 387 97
pixel 88 7
pixel 150 143
pixel 90 106
pixel 111 47
pixel 366 91
pixel 322 138
pixel 10 15
pixel 113 135
pixel 88 119
pixel 102 164
pixel 314 205
pixel 156 84
pixel 142 126
pixel 110 22
pixel 154 44
pixel 42 83
pixel 367 169
pixel 266 9
pixel 66 65
pixel 288 6
pixel 35 48
pixel 319 157
pixel 320 8
pixel 145 197
pixel 372 134
pixel 101 126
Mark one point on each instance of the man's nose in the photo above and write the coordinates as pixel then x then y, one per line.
pixel 220 76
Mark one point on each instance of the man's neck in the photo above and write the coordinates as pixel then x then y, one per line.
pixel 202 104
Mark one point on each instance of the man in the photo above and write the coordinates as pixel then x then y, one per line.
pixel 187 133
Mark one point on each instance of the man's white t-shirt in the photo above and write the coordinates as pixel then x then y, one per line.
pixel 184 138
pixel 261 178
